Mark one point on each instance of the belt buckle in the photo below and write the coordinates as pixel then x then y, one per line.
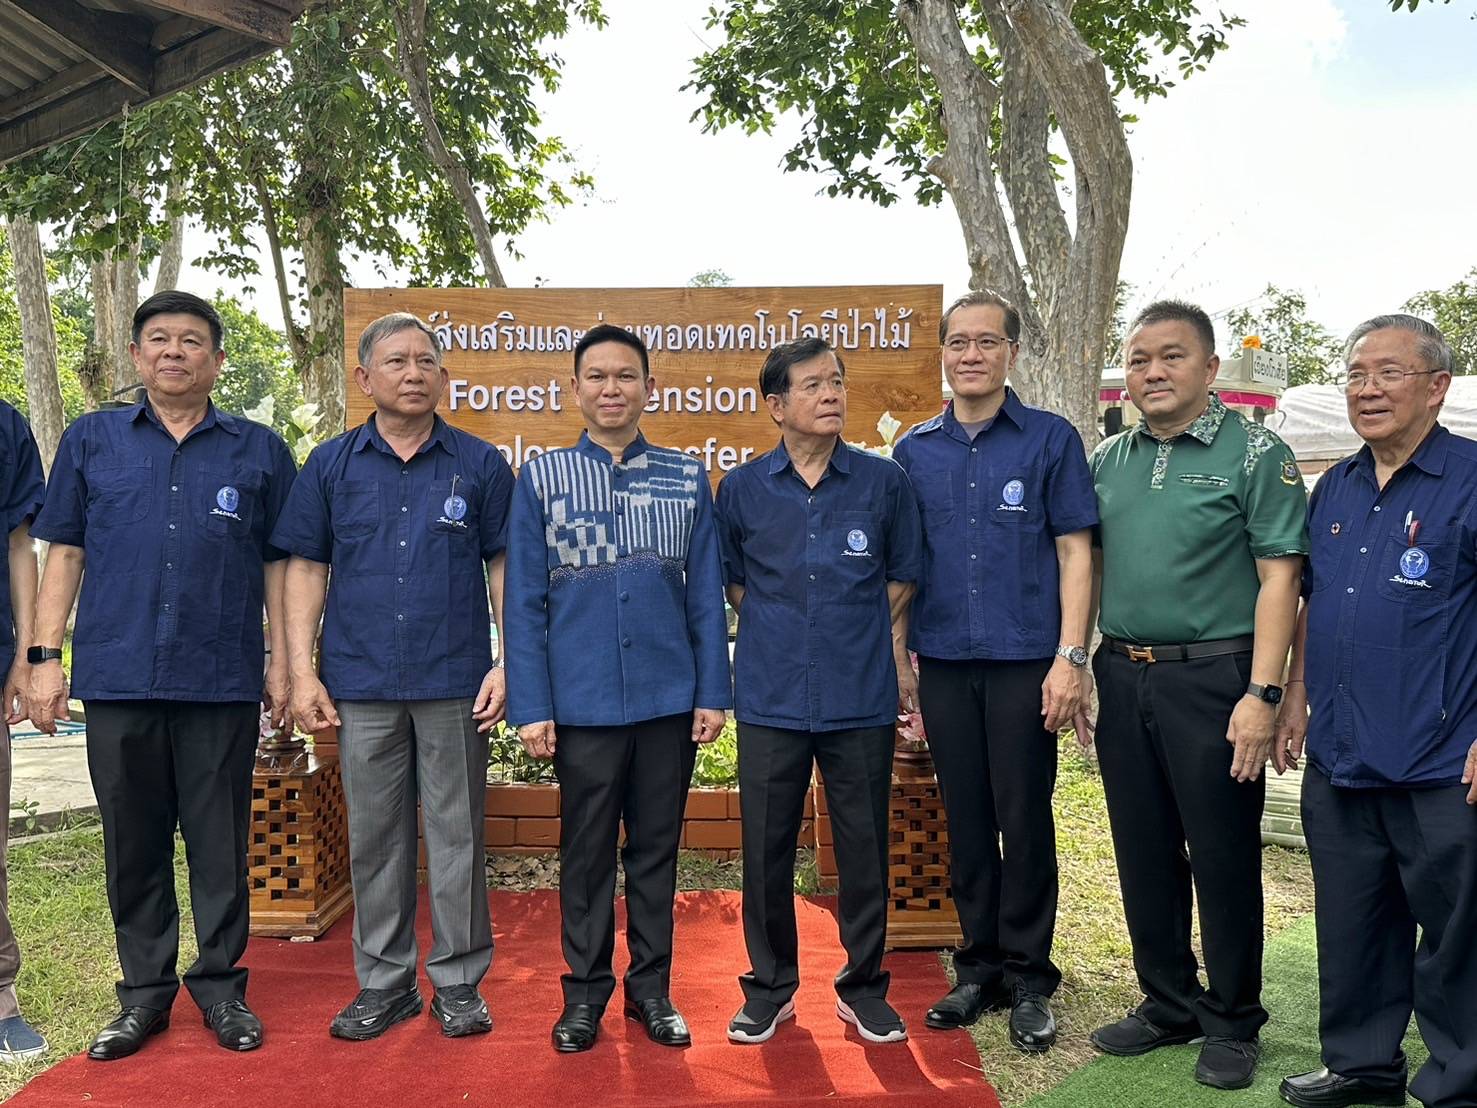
pixel 1141 654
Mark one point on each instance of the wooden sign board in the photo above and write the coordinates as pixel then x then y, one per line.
pixel 510 355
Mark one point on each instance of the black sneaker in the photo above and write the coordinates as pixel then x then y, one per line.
pixel 461 1011
pixel 874 1019
pixel 1136 1034
pixel 373 1012
pixel 757 1020
pixel 1227 1063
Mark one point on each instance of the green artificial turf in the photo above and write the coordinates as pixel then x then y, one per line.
pixel 1165 1078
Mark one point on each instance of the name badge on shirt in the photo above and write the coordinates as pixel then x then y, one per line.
pixel 1011 496
pixel 454 512
pixel 227 500
pixel 856 543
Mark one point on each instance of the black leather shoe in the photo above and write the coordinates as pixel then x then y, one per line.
pixel 235 1025
pixel 1032 1026
pixel 1136 1034
pixel 577 1027
pixel 1227 1063
pixel 964 1004
pixel 664 1024
pixel 373 1012
pixel 460 1010
pixel 1323 1088
pixel 127 1033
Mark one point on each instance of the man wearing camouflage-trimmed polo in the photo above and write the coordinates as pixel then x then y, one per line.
pixel 1203 531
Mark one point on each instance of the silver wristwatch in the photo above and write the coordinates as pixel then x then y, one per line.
pixel 1077 655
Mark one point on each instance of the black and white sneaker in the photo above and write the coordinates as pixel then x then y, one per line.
pixel 874 1019
pixel 461 1011
pixel 373 1012
pixel 757 1019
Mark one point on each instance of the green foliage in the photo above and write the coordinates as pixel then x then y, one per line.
pixel 709 279
pixel 870 114
pixel 1280 317
pixel 70 341
pixel 1454 311
pixel 717 761
pixel 508 762
pixel 257 367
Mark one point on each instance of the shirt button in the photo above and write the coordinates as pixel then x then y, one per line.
pixel 1364 550
pixel 1376 507
pixel 400 580
pixel 403 508
pixel 971 484
pixel 1349 589
pixel 404 472
pixel 625 642
pixel 171 527
pixel 971 519
pixel 974 449
pixel 625 596
pixel 812 577
pixel 812 536
pixel 974 592
pixel 174 488
pixel 168 565
pixel 166 607
pixel 400 618
pixel 973 557
pixel 402 542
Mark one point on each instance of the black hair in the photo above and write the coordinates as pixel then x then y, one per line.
pixel 1177 311
pixel 608 332
pixel 171 301
pixel 774 378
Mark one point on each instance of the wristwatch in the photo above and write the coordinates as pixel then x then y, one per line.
pixel 1077 655
pixel 35 655
pixel 1267 694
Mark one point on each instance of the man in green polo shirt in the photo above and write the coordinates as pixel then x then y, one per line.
pixel 1203 534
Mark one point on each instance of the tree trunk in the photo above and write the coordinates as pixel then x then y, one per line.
pixel 410 62
pixel 125 303
pixel 171 257
pixel 38 338
pixel 321 367
pixel 101 359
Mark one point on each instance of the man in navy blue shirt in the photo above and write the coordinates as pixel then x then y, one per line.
pixel 1000 629
pixel 618 665
pixel 821 549
pixel 1387 643
pixel 22 488
pixel 168 505
pixel 410 516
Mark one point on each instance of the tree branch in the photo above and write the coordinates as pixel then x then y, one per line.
pixel 295 339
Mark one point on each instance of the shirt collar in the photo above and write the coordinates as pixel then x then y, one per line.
pixel 1205 426
pixel 840 460
pixel 440 436
pixel 1012 408
pixel 214 417
pixel 1429 456
pixel 591 449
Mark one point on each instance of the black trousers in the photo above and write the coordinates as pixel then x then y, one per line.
pixel 1386 861
pixel 996 767
pixel 1166 764
pixel 639 773
pixel 774 767
pixel 155 764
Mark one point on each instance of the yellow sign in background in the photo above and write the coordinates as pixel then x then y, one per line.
pixel 510 355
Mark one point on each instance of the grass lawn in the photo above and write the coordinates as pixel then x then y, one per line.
pixel 60 912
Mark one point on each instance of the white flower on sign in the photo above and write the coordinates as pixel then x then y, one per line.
pixel 888 427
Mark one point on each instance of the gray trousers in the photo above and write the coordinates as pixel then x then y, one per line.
pixel 10 951
pixel 392 752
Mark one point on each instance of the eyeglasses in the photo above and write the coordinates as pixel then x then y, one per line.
pixel 1385 378
pixel 988 344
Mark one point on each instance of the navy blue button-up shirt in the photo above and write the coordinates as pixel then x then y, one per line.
pixel 1391 652
pixel 613 592
pixel 22 488
pixel 174 535
pixel 814 649
pixel 407 615
pixel 992 510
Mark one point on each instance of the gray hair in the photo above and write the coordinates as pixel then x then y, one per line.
pixel 1432 344
pixel 393 324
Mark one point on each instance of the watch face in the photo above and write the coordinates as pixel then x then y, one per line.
pixel 1272 694
pixel 1078 657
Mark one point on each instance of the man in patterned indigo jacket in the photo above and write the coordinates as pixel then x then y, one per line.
pixel 617 667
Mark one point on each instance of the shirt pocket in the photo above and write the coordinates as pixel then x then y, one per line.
pixel 354 509
pixel 1013 497
pixel 120 489
pixel 1418 574
pixel 853 556
pixel 225 501
pixel 452 507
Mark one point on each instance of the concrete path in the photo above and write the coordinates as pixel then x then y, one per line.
pixel 48 777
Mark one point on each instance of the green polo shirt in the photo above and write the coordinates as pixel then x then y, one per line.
pixel 1183 522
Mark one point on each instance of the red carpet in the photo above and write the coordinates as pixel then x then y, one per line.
pixel 297 987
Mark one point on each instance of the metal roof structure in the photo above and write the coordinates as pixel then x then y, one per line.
pixel 67 66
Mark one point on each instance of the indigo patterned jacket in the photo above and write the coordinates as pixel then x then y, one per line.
pixel 613 598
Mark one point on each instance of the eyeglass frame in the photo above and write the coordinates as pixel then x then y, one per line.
pixel 1355 382
pixel 995 341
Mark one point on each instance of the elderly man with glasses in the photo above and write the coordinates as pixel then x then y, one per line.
pixel 1387 643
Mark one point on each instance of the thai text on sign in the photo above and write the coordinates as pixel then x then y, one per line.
pixel 509 355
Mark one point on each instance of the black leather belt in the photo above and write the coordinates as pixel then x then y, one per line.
pixel 1180 652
